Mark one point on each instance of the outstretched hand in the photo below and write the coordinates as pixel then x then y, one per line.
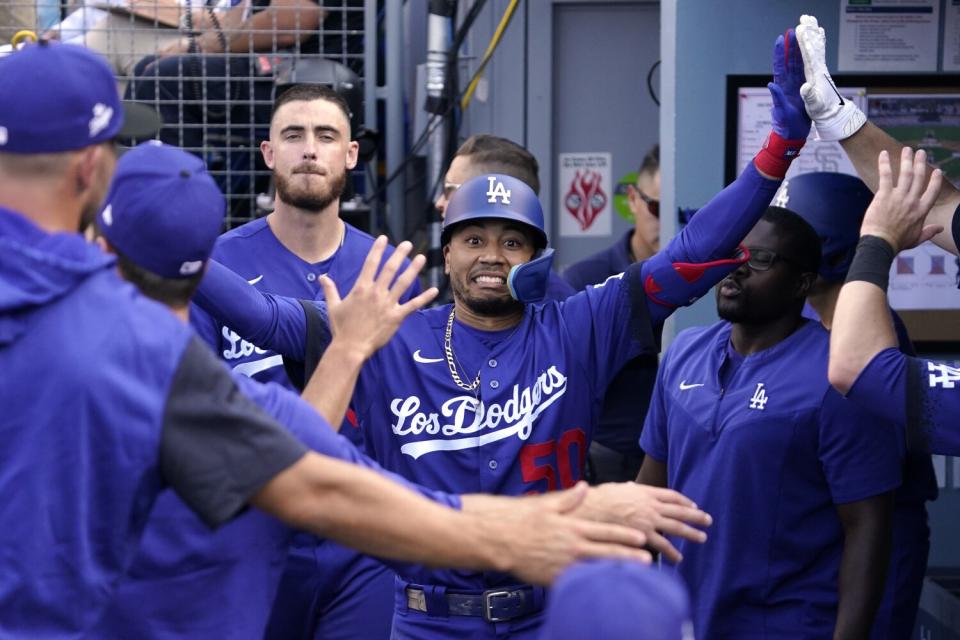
pixel 835 118
pixel 655 511
pixel 790 119
pixel 898 211
pixel 544 534
pixel 371 313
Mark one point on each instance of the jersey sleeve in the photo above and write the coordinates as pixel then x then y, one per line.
pixel 703 253
pixel 921 396
pixel 611 323
pixel 860 455
pixel 217 448
pixel 271 322
pixel 654 438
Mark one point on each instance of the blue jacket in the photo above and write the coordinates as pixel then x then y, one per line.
pixel 85 359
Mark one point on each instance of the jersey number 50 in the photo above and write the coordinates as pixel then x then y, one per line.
pixel 544 460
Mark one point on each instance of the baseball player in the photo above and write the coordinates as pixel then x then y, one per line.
pixel 163 211
pixel 310 151
pixel 913 204
pixel 494 395
pixel 484 153
pixel 834 204
pixel 615 454
pixel 110 398
pixel 744 420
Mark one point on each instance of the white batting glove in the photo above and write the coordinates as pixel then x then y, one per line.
pixel 833 117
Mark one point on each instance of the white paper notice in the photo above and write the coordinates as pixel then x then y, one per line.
pixel 585 193
pixel 951 36
pixel 817 155
pixel 888 35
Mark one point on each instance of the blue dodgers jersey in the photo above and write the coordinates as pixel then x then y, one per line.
pixel 921 396
pixel 182 563
pixel 769 456
pixel 527 427
pixel 88 363
pixel 254 252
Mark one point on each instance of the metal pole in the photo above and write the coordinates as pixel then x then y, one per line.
pixel 437 105
pixel 394 110
pixel 370 38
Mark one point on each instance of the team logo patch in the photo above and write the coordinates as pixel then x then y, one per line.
pixel 418 357
pixel 943 376
pixel 102 114
pixel 783 196
pixel 759 399
pixel 469 422
pixel 496 189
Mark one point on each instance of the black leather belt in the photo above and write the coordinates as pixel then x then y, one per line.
pixel 495 605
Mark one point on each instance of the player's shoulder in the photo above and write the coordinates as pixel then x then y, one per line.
pixel 240 239
pixel 712 335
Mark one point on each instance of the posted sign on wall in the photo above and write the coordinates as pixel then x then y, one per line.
pixel 585 194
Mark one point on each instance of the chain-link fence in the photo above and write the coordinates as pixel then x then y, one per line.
pixel 210 67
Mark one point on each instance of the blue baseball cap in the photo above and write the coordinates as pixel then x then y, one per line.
pixel 617 600
pixel 60 97
pixel 163 211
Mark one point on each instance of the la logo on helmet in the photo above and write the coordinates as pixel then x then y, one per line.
pixel 498 191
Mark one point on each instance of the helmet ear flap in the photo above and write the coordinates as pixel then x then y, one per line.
pixel 528 281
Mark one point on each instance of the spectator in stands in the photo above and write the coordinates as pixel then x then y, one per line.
pixel 199 82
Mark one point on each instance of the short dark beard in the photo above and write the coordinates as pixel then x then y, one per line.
pixel 312 201
pixel 486 307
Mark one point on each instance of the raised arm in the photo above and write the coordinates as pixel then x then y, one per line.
pixel 862 326
pixel 272 322
pixel 704 251
pixel 837 119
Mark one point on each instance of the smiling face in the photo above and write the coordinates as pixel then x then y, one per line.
pixel 478 260
pixel 753 297
pixel 310 152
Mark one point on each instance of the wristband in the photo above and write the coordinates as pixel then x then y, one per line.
pixel 776 155
pixel 871 263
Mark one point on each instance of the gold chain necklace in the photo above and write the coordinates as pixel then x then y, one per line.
pixel 448 352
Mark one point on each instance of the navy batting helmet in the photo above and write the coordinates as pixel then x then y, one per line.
pixel 833 204
pixel 501 197
pixel 495 195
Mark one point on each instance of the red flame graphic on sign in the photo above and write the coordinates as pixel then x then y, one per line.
pixel 585 199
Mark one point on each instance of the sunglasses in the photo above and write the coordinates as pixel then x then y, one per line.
pixel 653 205
pixel 763 259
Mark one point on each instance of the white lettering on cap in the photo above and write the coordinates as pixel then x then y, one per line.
pixel 191 267
pixel 102 114
pixel 107 215
pixel 4 136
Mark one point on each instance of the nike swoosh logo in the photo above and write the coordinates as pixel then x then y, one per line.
pixel 256 280
pixel 424 360
pixel 832 86
pixel 684 386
